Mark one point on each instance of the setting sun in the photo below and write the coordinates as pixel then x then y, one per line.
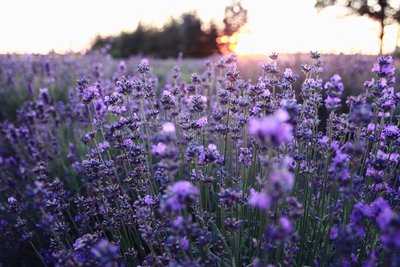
pixel 199 133
pixel 283 26
pixel 295 26
pixel 229 43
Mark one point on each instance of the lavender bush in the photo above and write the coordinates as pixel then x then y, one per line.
pixel 204 170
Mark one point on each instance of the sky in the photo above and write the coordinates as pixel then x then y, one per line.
pixel 28 26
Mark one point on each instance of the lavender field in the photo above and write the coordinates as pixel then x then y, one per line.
pixel 280 160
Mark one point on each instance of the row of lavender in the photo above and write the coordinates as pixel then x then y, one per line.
pixel 218 171
pixel 19 74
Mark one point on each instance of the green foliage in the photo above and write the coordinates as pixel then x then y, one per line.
pixel 186 35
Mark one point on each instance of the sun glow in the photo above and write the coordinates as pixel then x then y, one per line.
pixel 282 26
pixel 228 43
pixel 295 26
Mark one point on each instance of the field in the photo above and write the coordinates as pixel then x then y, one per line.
pixel 280 160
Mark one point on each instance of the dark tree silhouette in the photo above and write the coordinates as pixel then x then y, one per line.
pixel 194 39
pixel 186 35
pixel 234 19
pixel 384 11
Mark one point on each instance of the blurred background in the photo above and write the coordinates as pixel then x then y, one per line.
pixel 197 28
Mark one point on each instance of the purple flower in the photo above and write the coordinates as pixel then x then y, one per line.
pixel 118 110
pixel 11 200
pixel 259 200
pixel 391 131
pixel 89 93
pixel 128 143
pixel 209 154
pixel 183 188
pixel 143 67
pixel 229 197
pixel 168 128
pixel 148 200
pixel 273 55
pixel 334 233
pixel 185 244
pixel 104 146
pixel 180 194
pixel 255 110
pixel 272 128
pixel 246 156
pixel 391 234
pixel 122 67
pixel 332 103
pixel 265 95
pixel 382 211
pixel 360 211
pixel 159 149
pixel 361 113
pixel 371 127
pixel 197 103
pixel 394 157
pixel 178 221
pixel 285 225
pixel 282 180
pixel 324 140
pixel 383 67
pixel 269 67
pixel 315 54
pixel 289 76
pixel 167 100
pixel 202 121
pixel 335 86
pixel 105 252
pixel 339 168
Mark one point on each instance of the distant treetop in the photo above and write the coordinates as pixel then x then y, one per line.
pixel 386 12
pixel 187 35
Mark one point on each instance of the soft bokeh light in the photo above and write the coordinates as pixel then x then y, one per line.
pixel 283 26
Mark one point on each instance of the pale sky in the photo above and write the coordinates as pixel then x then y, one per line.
pixel 38 26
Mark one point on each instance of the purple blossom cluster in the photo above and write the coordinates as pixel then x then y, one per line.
pixel 127 168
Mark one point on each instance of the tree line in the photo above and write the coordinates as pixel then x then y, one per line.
pixel 187 34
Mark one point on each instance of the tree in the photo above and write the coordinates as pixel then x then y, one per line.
pixel 187 35
pixel 384 11
pixel 167 42
pixel 210 43
pixel 192 34
pixel 234 19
